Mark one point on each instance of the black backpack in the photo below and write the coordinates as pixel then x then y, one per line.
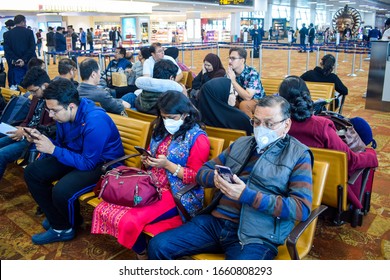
pixel 16 110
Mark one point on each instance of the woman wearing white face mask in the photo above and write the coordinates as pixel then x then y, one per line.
pixel 179 147
pixel 216 105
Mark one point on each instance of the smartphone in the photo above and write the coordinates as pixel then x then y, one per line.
pixel 225 172
pixel 29 133
pixel 143 151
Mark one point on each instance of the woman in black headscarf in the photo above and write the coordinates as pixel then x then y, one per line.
pixel 212 68
pixel 216 105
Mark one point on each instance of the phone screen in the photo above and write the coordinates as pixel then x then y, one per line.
pixel 29 133
pixel 225 173
pixel 143 151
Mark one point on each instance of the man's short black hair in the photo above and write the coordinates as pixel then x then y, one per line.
pixel 122 51
pixel 19 19
pixel 9 23
pixel 62 90
pixel 36 76
pixel 35 61
pixel 87 66
pixel 65 65
pixel 153 47
pixel 59 28
pixel 165 69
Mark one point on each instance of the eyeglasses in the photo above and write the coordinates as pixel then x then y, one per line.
pixel 54 112
pixel 34 90
pixel 267 124
pixel 233 58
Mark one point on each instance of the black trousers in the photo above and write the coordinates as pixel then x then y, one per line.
pixel 59 202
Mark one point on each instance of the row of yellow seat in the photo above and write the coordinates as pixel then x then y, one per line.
pixel 317 90
pixel 135 130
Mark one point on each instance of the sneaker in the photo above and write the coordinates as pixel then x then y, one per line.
pixel 51 236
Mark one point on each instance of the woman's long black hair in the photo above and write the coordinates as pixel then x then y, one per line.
pixel 295 91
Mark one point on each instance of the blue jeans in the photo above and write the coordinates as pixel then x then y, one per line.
pixel 206 234
pixel 130 97
pixel 10 151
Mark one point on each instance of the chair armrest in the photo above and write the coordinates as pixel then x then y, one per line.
pixel 352 179
pixel 177 197
pixel 108 164
pixel 297 231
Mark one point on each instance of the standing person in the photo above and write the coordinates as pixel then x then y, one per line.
pixel 12 147
pixel 86 139
pixel 19 48
pixel 311 33
pixel 60 41
pixel 303 33
pixel 270 33
pixel 251 217
pixel 90 38
pixel 323 73
pixel 83 39
pixel 39 41
pixel 257 36
pixel 347 32
pixel 326 35
pixel 157 54
pixel 386 33
pixel 116 36
pixel 179 146
pixel 8 25
pixel 245 80
pixel 73 36
pixel 51 45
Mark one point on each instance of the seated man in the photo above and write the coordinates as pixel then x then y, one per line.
pixel 88 88
pixel 13 146
pixel 164 74
pixel 245 80
pixel 120 62
pixel 271 189
pixel 86 139
pixel 157 53
pixel 67 69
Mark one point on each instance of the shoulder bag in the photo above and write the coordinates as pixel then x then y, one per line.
pixel 346 131
pixel 129 186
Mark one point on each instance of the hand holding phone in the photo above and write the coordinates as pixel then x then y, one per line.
pixel 225 172
pixel 143 151
pixel 30 134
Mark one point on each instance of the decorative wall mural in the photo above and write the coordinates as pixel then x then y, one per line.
pixel 347 16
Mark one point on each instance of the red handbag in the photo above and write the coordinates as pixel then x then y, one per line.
pixel 129 186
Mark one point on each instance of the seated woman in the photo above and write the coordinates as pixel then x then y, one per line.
pixel 179 147
pixel 324 74
pixel 320 132
pixel 212 68
pixel 164 74
pixel 216 103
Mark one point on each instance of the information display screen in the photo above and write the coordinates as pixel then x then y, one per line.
pixel 236 2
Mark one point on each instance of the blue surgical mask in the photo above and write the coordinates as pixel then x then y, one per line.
pixel 264 137
pixel 172 126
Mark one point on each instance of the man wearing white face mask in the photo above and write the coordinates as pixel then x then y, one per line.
pixel 272 189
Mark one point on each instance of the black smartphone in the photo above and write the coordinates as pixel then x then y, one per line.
pixel 29 133
pixel 225 172
pixel 143 151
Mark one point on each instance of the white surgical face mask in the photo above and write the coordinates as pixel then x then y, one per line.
pixel 172 126
pixel 264 136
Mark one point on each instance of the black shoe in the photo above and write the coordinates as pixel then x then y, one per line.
pixel 54 63
pixel 311 51
pixel 300 51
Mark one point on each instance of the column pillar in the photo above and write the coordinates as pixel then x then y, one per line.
pixel 193 26
pixel 235 26
pixel 268 18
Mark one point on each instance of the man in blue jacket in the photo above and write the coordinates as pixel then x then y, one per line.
pixel 60 41
pixel 19 48
pixel 86 139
